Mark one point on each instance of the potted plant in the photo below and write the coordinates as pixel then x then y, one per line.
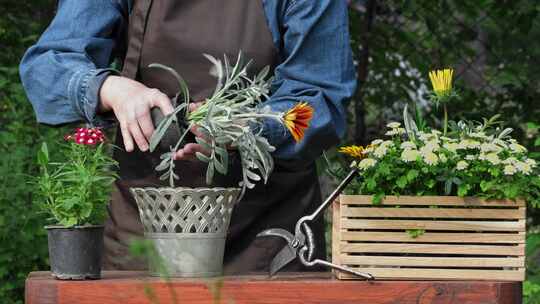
pixel 74 192
pixel 438 204
pixel 188 226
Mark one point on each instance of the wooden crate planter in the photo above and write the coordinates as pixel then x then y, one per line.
pixel 464 238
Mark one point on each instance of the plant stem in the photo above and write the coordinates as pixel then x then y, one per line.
pixel 445 120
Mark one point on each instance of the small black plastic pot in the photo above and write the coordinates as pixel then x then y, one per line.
pixel 75 253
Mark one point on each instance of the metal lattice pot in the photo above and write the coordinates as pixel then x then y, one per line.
pixel 188 227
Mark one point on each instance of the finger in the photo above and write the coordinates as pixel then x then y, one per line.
pixel 182 155
pixel 138 136
pixel 196 132
pixel 192 149
pixel 128 141
pixel 145 123
pixel 161 101
pixel 195 105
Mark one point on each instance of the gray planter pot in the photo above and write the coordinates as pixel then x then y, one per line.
pixel 187 226
pixel 75 253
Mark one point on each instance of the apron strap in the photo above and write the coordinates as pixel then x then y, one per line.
pixel 138 21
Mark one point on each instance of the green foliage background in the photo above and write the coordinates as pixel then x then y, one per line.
pixel 494 46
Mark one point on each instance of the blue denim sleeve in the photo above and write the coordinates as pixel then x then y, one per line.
pixel 63 71
pixel 316 67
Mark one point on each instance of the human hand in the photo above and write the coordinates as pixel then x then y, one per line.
pixel 189 151
pixel 131 102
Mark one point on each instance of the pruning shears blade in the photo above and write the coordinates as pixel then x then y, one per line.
pixel 284 257
pixel 287 254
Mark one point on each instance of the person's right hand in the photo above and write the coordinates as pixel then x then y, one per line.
pixel 131 102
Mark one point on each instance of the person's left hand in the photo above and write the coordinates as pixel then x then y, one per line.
pixel 188 151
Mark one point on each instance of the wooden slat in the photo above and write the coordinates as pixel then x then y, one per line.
pixel 434 225
pixel 518 250
pixel 441 274
pixel 432 261
pixel 434 237
pixel 336 231
pixel 429 200
pixel 466 213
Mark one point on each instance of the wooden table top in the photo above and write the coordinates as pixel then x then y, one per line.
pixel 129 287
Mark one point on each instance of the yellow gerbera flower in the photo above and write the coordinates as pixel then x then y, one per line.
pixel 441 80
pixel 353 151
pixel 297 120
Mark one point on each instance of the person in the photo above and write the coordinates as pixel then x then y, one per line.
pixel 67 78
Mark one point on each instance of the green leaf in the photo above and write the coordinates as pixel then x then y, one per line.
pixel 402 182
pixel 463 189
pixel 412 175
pixel 378 198
pixel 43 155
pixel 202 157
pixel 209 174
pixel 415 233
pixel 371 184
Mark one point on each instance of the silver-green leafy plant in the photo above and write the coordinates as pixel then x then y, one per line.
pixel 230 119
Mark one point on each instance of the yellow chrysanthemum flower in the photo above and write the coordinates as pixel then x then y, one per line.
pixel 441 80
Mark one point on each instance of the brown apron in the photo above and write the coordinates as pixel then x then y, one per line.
pixel 176 33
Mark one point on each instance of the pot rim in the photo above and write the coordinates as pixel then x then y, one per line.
pixel 50 227
pixel 186 188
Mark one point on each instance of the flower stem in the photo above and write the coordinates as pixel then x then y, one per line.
pixel 445 120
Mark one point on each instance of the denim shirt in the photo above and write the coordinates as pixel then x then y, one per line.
pixel 63 72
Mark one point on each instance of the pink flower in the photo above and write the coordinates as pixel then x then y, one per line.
pixel 86 136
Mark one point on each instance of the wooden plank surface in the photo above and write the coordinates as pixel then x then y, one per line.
pixel 129 288
pixel 484 262
pixel 434 237
pixel 517 250
pixel 441 274
pixel 518 225
pixel 459 213
pixel 429 201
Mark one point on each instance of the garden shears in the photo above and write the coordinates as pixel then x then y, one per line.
pixel 302 243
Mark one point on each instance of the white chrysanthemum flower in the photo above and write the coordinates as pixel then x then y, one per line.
pixel 387 143
pixel 479 135
pixel 452 147
pixel 499 142
pixel 531 162
pixel 367 163
pixel 397 131
pixel 409 155
pixel 394 125
pixel 443 158
pixel 380 151
pixel 517 148
pixel 436 132
pixel 376 142
pixel 510 161
pixel 462 165
pixel 469 144
pixel 430 158
pixel 408 145
pixel 470 157
pixel 425 136
pixel 493 158
pixel 368 150
pixel 490 147
pixel 510 170
pixel 523 168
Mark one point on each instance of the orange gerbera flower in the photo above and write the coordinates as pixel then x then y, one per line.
pixel 297 120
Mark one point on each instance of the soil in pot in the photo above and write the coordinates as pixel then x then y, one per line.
pixel 75 253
